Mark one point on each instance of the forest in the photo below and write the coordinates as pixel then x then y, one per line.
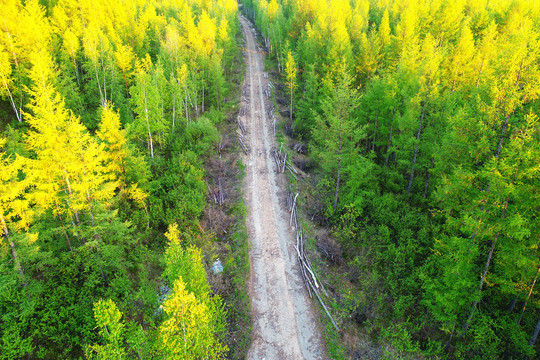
pixel 421 127
pixel 109 111
pixel 421 121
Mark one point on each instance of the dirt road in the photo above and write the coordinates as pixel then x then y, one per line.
pixel 284 324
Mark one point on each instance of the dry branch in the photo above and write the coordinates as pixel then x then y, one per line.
pixel 306 269
pixel 242 126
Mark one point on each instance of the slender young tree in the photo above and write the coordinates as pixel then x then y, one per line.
pixel 147 101
pixel 335 134
pixel 290 76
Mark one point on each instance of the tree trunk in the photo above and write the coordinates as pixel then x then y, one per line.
pixel 528 297
pixel 13 250
pixel 104 101
pixel 499 146
pixel 505 126
pixel 389 140
pixel 173 115
pixel 484 273
pixel 338 164
pixel 290 113
pixel 62 223
pixel 397 148
pixel 148 126
pixel 76 66
pixel 338 179
pixel 187 114
pixel 278 60
pixel 367 140
pixel 112 85
pixel 12 102
pixel 99 85
pixel 202 107
pixel 512 304
pixel 480 72
pixel 70 192
pixel 430 168
pixel 16 61
pixel 495 240
pixel 535 334
pixel 417 143
pixel 217 96
pixel 375 131
pixel 451 336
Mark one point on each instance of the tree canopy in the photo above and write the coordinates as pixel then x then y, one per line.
pixel 430 179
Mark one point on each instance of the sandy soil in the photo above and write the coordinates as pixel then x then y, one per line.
pixel 284 323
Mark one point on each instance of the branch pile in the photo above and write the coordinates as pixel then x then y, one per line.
pixel 281 159
pixel 283 163
pixel 308 274
pixel 240 138
pixel 243 110
pixel 271 115
pixel 245 92
pixel 299 148
pixel 268 90
pixel 217 193
pixel 310 279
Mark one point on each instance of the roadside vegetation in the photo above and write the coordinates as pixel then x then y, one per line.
pixel 115 122
pixel 420 127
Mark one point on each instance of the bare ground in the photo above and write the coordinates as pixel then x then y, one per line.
pixel 285 325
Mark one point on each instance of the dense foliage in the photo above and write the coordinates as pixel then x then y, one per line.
pixel 423 120
pixel 107 111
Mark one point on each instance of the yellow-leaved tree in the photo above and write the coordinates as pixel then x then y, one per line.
pixel 290 74
pixel 69 171
pixel 195 320
pixel 187 333
pixel 108 320
pixel 123 166
pixel 14 207
pixel 6 81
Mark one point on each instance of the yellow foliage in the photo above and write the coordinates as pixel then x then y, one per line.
pixel 273 8
pixel 290 71
pixel 138 195
pixel 115 141
pixel 172 234
pixel 204 40
pixel 5 71
pixel 223 32
pixel 71 43
pixel 173 41
pixel 125 58
pixel 14 207
pixel 182 75
pixel 188 332
pixel 227 7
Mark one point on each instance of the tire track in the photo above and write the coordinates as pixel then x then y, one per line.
pixel 284 324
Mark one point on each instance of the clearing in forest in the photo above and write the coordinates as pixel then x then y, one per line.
pixel 284 324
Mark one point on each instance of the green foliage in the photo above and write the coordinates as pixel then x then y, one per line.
pixel 106 149
pixel 179 192
pixel 188 333
pixel 402 344
pixel 428 181
pixel 308 105
pixel 195 321
pixel 110 328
